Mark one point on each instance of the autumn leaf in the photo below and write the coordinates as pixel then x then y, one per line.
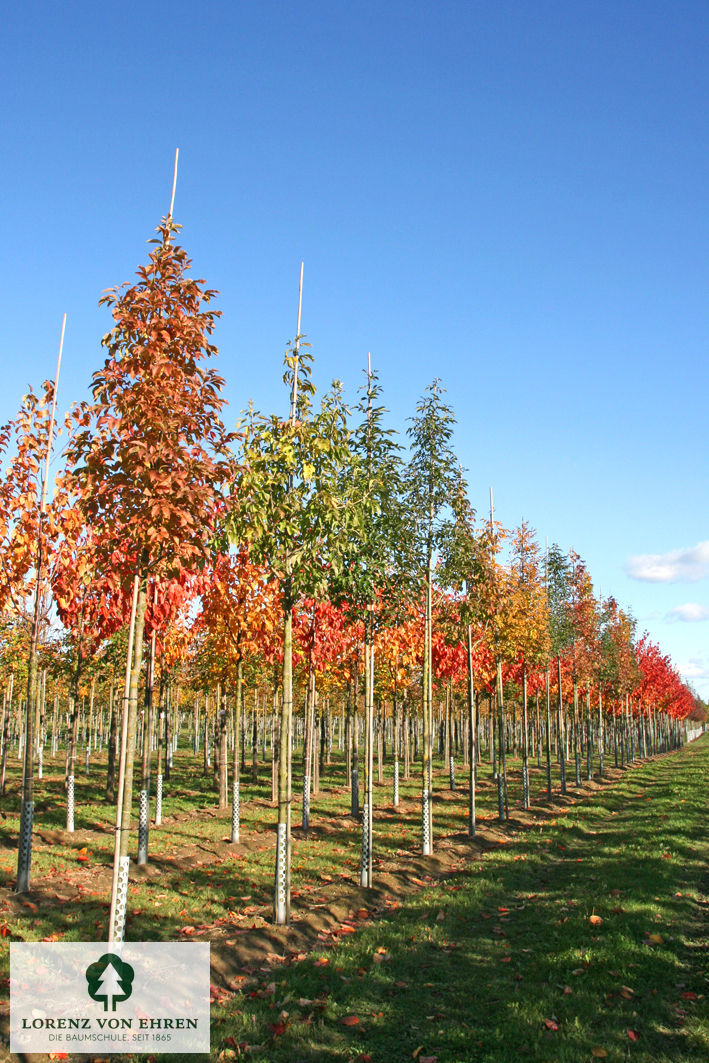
pixel 349 1020
pixel 633 1035
pixel 595 920
pixel 551 1024
pixel 599 1053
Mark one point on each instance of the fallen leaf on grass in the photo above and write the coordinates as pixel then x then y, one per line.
pixel 655 939
pixel 349 1020
pixel 551 1025
pixel 595 920
pixel 599 1053
pixel 278 1028
pixel 322 962
pixel 633 1035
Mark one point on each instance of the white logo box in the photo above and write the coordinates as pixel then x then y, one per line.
pixel 138 997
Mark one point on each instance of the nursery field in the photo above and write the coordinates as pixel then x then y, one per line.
pixel 574 931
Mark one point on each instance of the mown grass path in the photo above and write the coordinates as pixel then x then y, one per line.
pixel 583 938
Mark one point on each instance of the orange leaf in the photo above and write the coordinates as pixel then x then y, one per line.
pixel 551 1025
pixel 595 920
pixel 599 1053
pixel 349 1020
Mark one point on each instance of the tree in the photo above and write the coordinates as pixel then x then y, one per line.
pixel 29 531
pixel 465 567
pixel 431 481
pixel 150 461
pixel 561 632
pixel 370 569
pixel 531 637
pixel 289 511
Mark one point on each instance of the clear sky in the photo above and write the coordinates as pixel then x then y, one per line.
pixel 508 194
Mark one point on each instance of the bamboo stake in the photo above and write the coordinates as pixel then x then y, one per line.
pixel 296 348
pixel 174 183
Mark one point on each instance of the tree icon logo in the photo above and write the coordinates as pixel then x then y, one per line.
pixel 110 980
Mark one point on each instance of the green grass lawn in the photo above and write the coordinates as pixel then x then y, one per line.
pixel 581 937
pixel 505 960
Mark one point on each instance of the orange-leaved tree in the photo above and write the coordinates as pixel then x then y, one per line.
pixel 151 460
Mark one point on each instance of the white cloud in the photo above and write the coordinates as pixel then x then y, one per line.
pixel 696 669
pixel 690 612
pixel 678 566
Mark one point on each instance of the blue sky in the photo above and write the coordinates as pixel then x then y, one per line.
pixel 511 196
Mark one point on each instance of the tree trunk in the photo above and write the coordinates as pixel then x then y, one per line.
pixel 281 907
pixel 134 664
pixel 472 751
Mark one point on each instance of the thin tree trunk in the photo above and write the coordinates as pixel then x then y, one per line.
pixel 121 861
pixel 472 750
pixel 281 907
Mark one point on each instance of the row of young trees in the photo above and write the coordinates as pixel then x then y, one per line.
pixel 303 544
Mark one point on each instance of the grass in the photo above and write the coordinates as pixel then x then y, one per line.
pixel 496 954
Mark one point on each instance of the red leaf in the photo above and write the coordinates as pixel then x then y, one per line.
pixel 349 1020
pixel 551 1025
pixel 633 1035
